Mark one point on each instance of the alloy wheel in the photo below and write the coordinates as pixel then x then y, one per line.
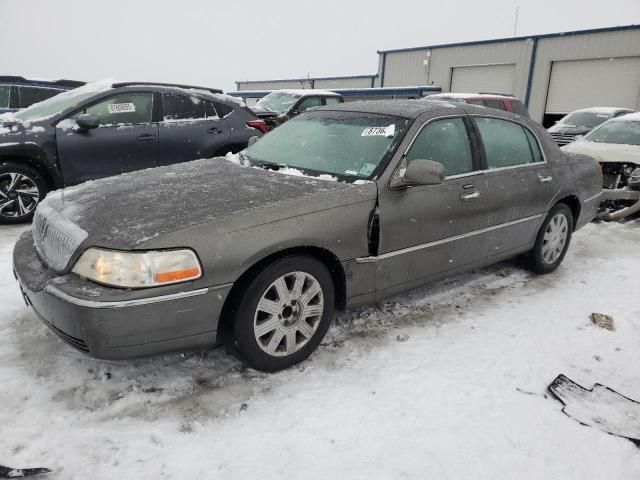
pixel 288 314
pixel 19 195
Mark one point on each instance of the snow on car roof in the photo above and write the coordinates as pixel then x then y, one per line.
pixel 468 95
pixel 306 91
pixel 629 117
pixel 607 110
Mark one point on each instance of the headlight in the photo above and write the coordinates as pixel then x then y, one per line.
pixel 138 269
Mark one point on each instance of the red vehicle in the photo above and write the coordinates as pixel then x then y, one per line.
pixel 500 101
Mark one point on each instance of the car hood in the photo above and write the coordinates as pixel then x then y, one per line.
pixel 606 152
pixel 123 211
pixel 569 129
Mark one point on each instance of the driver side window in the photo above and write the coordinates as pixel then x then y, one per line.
pixel 447 142
pixel 123 109
pixel 308 103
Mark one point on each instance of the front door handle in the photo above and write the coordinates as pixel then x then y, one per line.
pixel 545 178
pixel 467 197
pixel 145 137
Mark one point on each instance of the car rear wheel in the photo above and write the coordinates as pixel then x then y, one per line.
pixel 552 241
pixel 283 313
pixel 21 189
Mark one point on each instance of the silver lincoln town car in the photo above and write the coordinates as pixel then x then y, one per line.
pixel 341 206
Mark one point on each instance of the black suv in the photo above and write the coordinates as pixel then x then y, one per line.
pixel 105 128
pixel 19 92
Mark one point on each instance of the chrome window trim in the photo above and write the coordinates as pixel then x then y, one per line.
pixel 394 253
pixel 128 303
pixel 544 155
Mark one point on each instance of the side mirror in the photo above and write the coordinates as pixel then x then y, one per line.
pixel 86 121
pixel 252 140
pixel 420 172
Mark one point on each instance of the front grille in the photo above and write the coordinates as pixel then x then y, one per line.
pixel 55 237
pixel 71 340
pixel 563 138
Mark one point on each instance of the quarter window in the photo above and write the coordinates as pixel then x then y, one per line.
pixel 505 143
pixel 444 141
pixel 182 107
pixel 497 104
pixel 332 100
pixel 125 109
pixel 5 91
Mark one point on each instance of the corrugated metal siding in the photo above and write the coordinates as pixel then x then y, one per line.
pixel 625 43
pixel 483 78
pixel 273 85
pixel 346 82
pixel 407 68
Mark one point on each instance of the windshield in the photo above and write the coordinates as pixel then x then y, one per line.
pixel 619 131
pixel 585 119
pixel 278 102
pixel 61 102
pixel 345 144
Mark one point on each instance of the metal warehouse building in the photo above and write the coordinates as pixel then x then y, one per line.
pixel 552 73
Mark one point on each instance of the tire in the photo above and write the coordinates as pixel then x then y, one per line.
pixel 552 241
pixel 283 313
pixel 21 189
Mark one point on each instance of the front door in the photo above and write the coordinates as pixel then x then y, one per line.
pixel 521 182
pixel 126 140
pixel 191 128
pixel 428 230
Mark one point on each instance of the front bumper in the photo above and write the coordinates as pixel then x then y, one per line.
pixel 113 323
pixel 609 194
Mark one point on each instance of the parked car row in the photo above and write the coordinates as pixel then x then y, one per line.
pixel 18 92
pixel 342 205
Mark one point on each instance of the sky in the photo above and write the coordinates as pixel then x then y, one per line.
pixel 214 44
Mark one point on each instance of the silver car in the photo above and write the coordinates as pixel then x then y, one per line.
pixel 339 207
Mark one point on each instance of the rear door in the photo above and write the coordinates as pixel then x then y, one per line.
pixel 520 182
pixel 431 229
pixel 126 140
pixel 191 128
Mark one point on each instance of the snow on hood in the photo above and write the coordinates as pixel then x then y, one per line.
pixel 124 210
pixel 235 158
pixel 606 152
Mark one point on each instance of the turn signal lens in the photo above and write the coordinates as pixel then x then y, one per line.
pixel 138 269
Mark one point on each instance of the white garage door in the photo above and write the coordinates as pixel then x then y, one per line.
pixel 605 82
pixel 483 78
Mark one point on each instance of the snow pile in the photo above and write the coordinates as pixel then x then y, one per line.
pixel 446 382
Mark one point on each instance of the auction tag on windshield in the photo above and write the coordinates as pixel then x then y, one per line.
pixel 379 131
pixel 121 107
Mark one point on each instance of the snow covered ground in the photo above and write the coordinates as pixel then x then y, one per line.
pixel 446 382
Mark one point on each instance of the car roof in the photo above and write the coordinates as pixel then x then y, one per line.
pixel 304 92
pixel 400 108
pixel 607 110
pixel 60 83
pixel 165 85
pixel 464 96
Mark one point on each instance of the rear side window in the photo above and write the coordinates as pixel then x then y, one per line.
pixel 519 108
pixel 497 104
pixel 182 107
pixel 123 109
pixel 30 95
pixel 505 143
pixel 445 141
pixel 534 145
pixel 5 93
pixel 221 109
pixel 332 100
pixel 309 102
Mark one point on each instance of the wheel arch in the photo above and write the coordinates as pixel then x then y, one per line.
pixel 36 162
pixel 573 203
pixel 326 257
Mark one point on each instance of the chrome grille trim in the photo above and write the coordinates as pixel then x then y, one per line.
pixel 563 138
pixel 55 237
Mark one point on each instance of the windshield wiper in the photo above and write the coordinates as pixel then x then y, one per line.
pixel 260 163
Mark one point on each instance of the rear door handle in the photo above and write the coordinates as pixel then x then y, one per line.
pixel 545 178
pixel 146 137
pixel 467 197
pixel 214 130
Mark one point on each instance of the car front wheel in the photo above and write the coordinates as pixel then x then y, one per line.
pixel 21 189
pixel 552 241
pixel 283 313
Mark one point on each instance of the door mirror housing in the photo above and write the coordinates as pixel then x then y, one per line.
pixel 419 172
pixel 252 140
pixel 86 121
